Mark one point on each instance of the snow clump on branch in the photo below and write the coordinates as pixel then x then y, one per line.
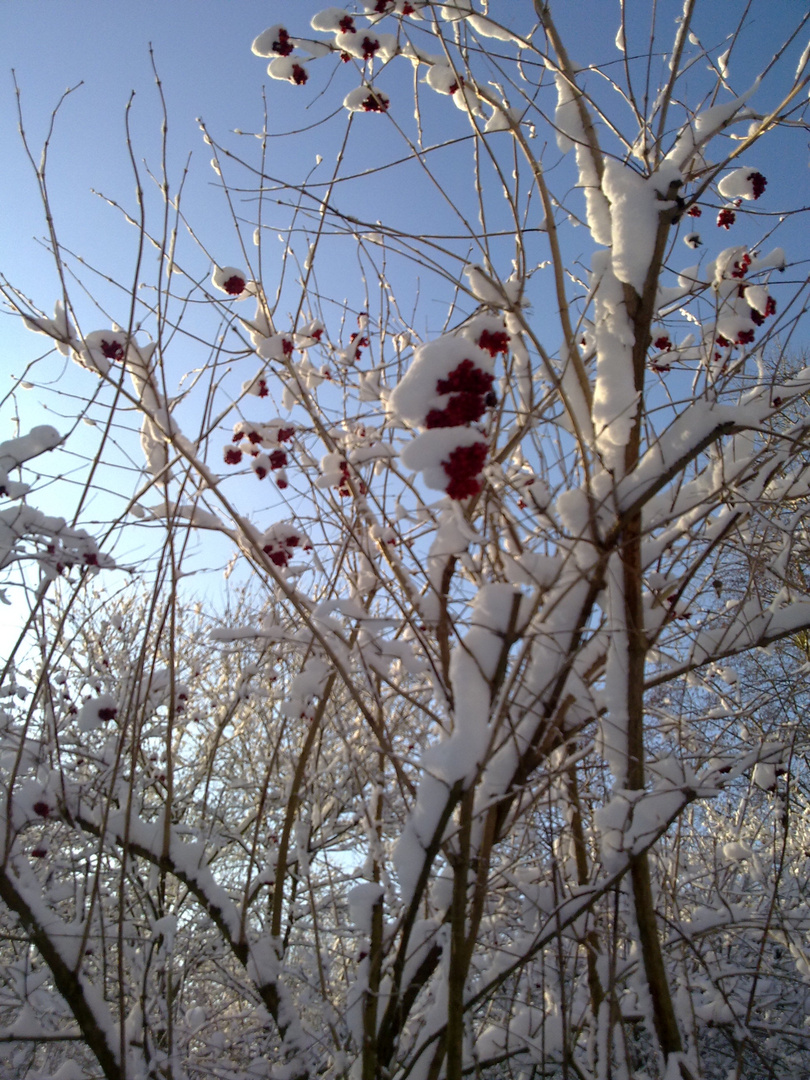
pixel 446 392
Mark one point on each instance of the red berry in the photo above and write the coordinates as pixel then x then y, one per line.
pixel 757 182
pixel 234 285
pixel 463 467
pixel 113 350
pixel 375 103
pixel 466 378
pixel 283 46
pixel 461 409
pixel 494 343
pixel 370 46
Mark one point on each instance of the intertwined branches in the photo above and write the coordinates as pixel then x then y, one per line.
pixel 479 764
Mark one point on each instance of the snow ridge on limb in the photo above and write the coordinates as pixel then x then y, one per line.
pixel 27 535
pixel 87 1005
pixel 15 452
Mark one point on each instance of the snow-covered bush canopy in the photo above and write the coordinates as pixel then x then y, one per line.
pixel 491 760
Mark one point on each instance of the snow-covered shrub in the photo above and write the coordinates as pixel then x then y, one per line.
pixel 489 759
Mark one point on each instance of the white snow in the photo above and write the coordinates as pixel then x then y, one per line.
pixel 266 44
pixel 416 393
pixel 366 99
pixel 489 289
pixel 59 328
pixel 329 19
pixel 14 452
pixel 362 899
pixel 636 203
pixel 738 184
pixel 233 281
pixel 615 397
pixel 705 125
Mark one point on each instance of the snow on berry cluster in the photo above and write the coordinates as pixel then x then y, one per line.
pixel 280 348
pixel 263 443
pixel 233 281
pixel 741 304
pixel 96 351
pixel 356 37
pixel 738 185
pixel 26 534
pixel 355 445
pixel 281 541
pixel 446 392
pixel 735 186
pixel 349 40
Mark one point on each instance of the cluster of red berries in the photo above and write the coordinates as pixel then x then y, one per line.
pixel 727 216
pixel 383 6
pixel 282 44
pixel 343 488
pixel 757 182
pixel 463 468
pixel 745 337
pixel 114 350
pixel 759 317
pixel 740 266
pixel 280 542
pixel 67 558
pixel 369 45
pixel 375 103
pixel 261 443
pixel 469 388
pixel 234 286
pixel 359 342
pixel 338 475
pixel 471 394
